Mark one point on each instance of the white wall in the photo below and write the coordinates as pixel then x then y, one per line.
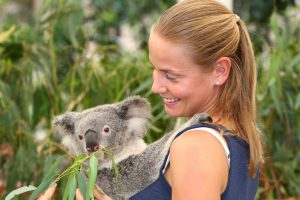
pixel 227 3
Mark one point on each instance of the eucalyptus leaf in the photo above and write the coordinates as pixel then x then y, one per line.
pixel 20 190
pixel 75 167
pixel 42 187
pixel 54 168
pixel 82 183
pixel 72 189
pixel 67 187
pixel 49 178
pixel 115 167
pixel 92 174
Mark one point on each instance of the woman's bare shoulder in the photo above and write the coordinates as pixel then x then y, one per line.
pixel 198 158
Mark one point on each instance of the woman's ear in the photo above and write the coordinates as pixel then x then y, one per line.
pixel 222 70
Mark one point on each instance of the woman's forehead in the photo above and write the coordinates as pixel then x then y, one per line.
pixel 168 55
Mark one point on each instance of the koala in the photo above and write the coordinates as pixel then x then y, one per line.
pixel 121 128
pixel 110 126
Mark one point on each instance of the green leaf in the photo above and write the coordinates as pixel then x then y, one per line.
pixel 75 167
pixel 92 176
pixel 297 102
pixel 72 188
pixel 67 188
pixel 12 50
pixel 114 165
pixel 41 188
pixel 69 192
pixel 49 178
pixel 276 99
pixel 274 23
pixel 81 158
pixel 18 191
pixel 6 34
pixel 294 62
pixel 54 168
pixel 82 183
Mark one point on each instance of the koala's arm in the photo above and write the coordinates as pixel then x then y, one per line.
pixel 134 173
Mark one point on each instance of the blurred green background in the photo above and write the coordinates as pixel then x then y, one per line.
pixel 63 55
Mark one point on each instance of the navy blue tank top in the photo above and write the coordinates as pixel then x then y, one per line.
pixel 240 185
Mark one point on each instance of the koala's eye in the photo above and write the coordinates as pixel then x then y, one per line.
pixel 106 129
pixel 80 137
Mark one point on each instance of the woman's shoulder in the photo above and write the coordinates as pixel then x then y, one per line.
pixel 199 142
pixel 197 153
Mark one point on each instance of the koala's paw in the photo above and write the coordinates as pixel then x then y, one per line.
pixel 201 118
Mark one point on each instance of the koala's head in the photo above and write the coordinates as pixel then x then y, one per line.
pixel 109 125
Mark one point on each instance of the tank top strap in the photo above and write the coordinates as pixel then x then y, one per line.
pixel 209 128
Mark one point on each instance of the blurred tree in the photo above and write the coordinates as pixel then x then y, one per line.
pixel 260 11
pixel 279 106
pixel 108 17
pixel 257 13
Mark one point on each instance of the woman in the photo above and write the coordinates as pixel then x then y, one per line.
pixel 203 62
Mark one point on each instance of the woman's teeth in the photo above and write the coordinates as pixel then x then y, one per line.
pixel 170 100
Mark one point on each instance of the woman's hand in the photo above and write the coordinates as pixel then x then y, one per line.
pixel 50 192
pixel 97 194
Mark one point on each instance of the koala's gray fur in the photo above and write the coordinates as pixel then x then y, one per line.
pixel 138 164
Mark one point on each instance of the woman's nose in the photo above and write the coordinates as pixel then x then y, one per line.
pixel 157 85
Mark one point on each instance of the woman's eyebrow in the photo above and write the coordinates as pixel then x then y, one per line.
pixel 172 71
pixel 167 70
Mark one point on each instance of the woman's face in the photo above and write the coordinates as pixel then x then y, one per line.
pixel 184 87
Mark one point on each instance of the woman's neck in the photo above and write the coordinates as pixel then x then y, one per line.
pixel 228 123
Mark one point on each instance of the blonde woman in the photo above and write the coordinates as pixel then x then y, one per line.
pixel 203 61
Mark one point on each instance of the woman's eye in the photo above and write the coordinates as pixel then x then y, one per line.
pixel 170 77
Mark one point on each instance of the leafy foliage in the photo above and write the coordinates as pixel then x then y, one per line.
pixel 74 174
pixel 279 102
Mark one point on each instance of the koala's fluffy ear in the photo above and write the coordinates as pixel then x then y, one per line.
pixel 135 106
pixel 64 123
pixel 137 112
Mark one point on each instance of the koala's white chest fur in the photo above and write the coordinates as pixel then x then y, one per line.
pixel 135 147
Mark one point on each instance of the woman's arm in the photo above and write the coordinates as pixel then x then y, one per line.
pixel 198 167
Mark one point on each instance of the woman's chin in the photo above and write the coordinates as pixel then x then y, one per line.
pixel 173 113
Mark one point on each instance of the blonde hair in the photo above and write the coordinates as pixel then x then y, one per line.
pixel 210 31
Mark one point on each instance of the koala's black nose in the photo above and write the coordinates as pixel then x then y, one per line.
pixel 91 141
